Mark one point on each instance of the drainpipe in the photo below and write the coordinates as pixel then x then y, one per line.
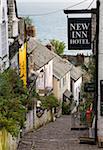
pixel 97 49
pixel 44 81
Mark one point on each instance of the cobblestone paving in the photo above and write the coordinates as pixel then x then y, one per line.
pixel 55 136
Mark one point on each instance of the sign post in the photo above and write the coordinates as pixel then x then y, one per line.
pixel 101 97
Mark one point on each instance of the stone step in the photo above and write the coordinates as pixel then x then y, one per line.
pixel 87 140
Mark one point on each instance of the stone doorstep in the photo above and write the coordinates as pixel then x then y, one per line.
pixel 87 140
pixel 79 128
pixel 27 142
pixel 58 140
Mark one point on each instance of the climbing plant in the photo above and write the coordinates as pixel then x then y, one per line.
pixel 28 21
pixel 49 102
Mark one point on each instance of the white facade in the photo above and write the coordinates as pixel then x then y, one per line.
pixel 45 77
pixel 76 89
pixel 61 85
pixel 12 19
pixel 100 73
pixel 64 85
pixel 4 52
pixel 15 27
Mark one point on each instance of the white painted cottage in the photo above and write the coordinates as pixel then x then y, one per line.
pixel 76 82
pixel 4 52
pixel 40 64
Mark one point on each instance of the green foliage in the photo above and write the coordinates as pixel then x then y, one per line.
pixel 87 95
pixel 90 70
pixel 66 108
pixel 10 125
pixel 49 102
pixel 59 46
pixel 28 21
pixel 12 97
pixel 10 84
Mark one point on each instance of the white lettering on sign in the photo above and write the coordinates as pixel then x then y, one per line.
pixel 79 26
pixel 79 34
pixel 79 41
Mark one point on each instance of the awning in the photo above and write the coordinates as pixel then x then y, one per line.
pixel 68 94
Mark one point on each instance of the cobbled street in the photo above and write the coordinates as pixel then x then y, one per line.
pixel 55 136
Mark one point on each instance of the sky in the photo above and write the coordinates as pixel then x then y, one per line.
pixel 85 3
pixel 65 1
pixel 46 0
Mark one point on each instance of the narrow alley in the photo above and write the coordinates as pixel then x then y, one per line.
pixel 55 136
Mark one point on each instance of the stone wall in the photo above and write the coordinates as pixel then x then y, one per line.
pixel 7 142
pixel 45 118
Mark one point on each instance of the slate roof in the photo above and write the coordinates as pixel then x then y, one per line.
pixel 67 93
pixel 60 67
pixel 41 54
pixel 76 73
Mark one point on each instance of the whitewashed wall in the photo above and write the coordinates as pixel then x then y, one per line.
pixel 4 51
pixel 59 88
pixel 15 27
pixel 33 121
pixel 45 78
pixel 100 72
pixel 63 88
pixel 49 74
pixel 77 88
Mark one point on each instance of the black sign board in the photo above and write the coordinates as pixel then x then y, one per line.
pixel 101 97
pixel 89 87
pixel 79 33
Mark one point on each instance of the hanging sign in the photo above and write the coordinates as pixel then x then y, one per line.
pixel 89 87
pixel 79 33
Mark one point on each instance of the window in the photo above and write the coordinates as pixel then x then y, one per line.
pixel 64 80
pixel 31 58
pixel 71 85
pixel 49 69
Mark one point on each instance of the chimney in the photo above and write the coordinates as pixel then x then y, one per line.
pixel 50 47
pixel 31 31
